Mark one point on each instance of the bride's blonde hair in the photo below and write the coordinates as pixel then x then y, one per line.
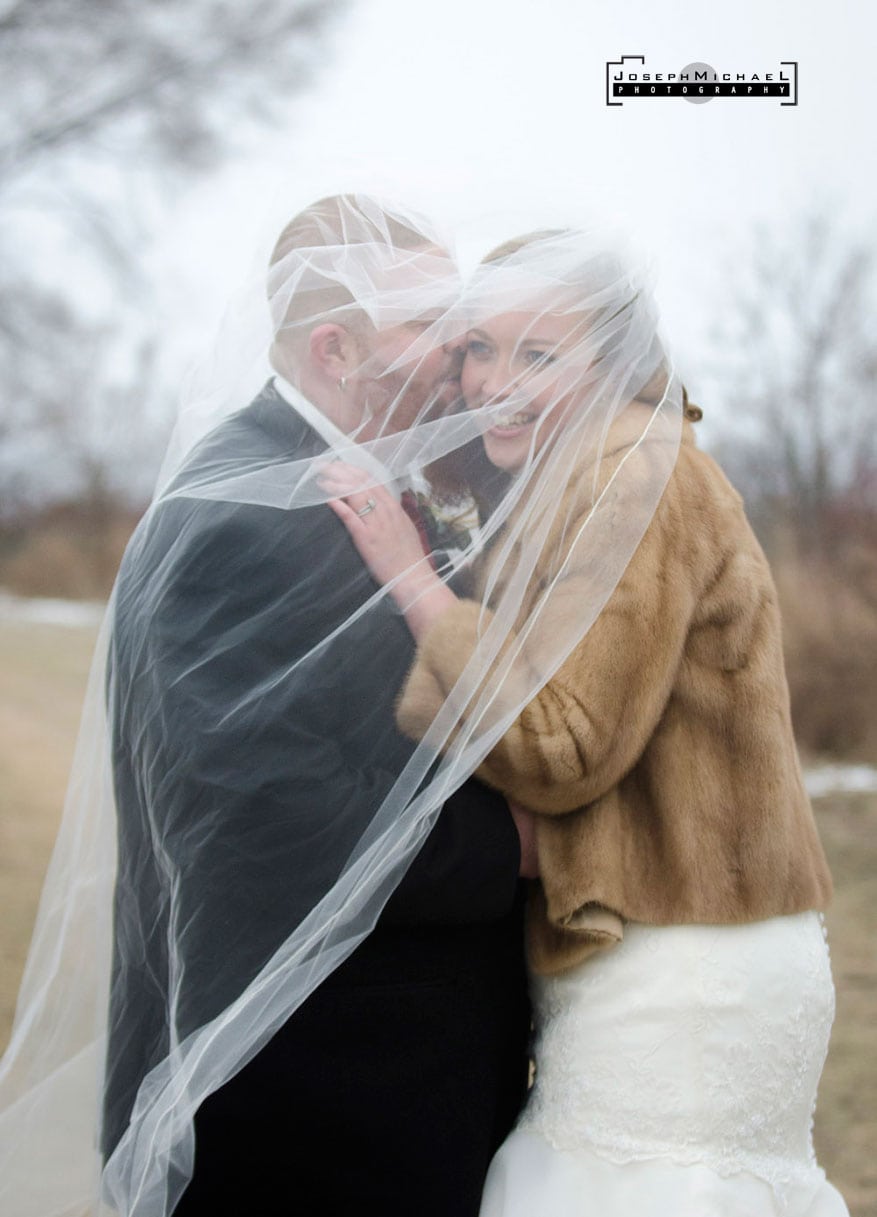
pixel 653 391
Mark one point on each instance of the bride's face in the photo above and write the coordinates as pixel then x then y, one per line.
pixel 517 357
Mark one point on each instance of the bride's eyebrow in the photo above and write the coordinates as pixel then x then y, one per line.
pixel 529 340
pixel 553 343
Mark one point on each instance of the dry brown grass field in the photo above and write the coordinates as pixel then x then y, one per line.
pixel 44 671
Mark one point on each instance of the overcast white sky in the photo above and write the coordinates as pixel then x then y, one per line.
pixel 491 115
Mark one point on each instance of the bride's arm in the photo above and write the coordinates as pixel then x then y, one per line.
pixel 585 728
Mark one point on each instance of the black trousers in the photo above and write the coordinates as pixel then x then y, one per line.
pixel 385 1095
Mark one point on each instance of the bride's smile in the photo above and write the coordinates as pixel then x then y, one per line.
pixel 521 364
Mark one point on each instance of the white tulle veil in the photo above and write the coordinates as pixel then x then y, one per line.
pixel 371 270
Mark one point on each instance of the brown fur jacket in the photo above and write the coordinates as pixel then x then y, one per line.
pixel 661 751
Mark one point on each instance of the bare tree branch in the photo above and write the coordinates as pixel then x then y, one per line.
pixel 797 356
pixel 137 65
pixel 100 98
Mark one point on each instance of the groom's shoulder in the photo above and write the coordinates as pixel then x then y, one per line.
pixel 230 466
pixel 217 504
pixel 267 427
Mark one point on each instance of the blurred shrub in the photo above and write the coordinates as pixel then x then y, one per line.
pixel 829 607
pixel 68 551
pixel 828 601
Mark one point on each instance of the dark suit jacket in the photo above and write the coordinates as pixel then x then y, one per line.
pixel 216 601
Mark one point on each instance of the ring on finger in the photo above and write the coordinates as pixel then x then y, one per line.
pixel 370 505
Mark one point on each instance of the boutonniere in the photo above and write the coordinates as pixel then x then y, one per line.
pixel 450 526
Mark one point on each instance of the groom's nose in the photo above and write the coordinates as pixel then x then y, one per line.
pixel 455 349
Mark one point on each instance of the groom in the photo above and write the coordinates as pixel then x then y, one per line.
pixel 389 1089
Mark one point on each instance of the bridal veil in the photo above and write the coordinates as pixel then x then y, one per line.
pixel 110 905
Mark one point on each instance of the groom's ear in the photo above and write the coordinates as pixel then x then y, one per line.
pixel 331 349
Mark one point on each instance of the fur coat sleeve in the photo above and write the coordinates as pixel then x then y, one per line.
pixel 592 718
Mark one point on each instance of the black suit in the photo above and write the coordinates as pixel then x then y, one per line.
pixel 406 1068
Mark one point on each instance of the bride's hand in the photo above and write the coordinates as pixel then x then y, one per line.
pixel 388 544
pixel 384 534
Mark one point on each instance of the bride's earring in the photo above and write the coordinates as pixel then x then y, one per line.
pixel 342 383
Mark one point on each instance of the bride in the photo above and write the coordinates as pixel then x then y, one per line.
pixel 678 960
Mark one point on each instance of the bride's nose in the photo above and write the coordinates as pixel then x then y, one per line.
pixel 497 382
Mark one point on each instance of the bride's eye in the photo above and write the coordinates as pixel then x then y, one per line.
pixel 538 359
pixel 477 349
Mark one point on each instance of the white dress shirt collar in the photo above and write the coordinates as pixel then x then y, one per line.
pixel 335 438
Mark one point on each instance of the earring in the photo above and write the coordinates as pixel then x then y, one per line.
pixel 342 383
pixel 692 412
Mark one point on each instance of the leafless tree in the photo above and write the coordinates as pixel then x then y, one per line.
pixel 162 77
pixel 796 363
pixel 793 370
pixel 100 99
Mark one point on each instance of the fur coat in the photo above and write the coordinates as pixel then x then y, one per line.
pixel 660 754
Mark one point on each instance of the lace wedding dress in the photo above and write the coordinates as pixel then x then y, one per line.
pixel 676 1077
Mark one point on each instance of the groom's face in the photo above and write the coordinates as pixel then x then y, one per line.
pixel 408 372
pixel 408 376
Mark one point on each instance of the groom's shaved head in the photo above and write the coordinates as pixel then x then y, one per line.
pixel 300 290
pixel 346 219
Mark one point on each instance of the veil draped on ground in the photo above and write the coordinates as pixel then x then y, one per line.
pixel 202 884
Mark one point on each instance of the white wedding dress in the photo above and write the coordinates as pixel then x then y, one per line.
pixel 676 1076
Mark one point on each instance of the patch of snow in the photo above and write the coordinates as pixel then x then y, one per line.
pixel 840 779
pixel 43 611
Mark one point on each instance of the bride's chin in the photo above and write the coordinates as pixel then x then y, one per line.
pixel 508 453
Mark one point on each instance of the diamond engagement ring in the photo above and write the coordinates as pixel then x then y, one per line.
pixel 370 505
